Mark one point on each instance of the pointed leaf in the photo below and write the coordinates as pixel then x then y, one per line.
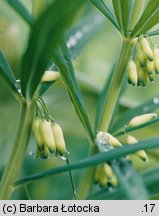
pixel 6 73
pixel 126 7
pixel 122 10
pixel 22 11
pixel 149 18
pixel 153 33
pixel 63 61
pixel 105 10
pixel 118 12
pixel 92 160
pixel 136 12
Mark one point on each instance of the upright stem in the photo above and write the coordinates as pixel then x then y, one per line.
pixel 108 109
pixel 18 152
pixel 115 86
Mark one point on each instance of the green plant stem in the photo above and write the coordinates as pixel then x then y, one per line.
pixel 115 86
pixel 87 179
pixel 108 109
pixel 18 152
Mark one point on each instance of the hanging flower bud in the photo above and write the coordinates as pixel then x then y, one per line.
pixel 47 135
pixel 146 48
pixel 37 134
pixel 150 67
pixel 131 139
pixel 132 73
pixel 145 78
pixel 140 55
pixel 140 154
pixel 42 154
pixel 108 171
pixel 151 77
pixel 97 173
pixel 142 76
pixel 140 73
pixel 103 181
pixel 59 139
pixel 114 181
pixel 141 119
pixel 50 76
pixel 112 140
pixel 156 59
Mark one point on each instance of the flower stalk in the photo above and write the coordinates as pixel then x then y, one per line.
pixel 114 89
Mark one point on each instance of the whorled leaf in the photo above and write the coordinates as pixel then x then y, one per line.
pixel 22 11
pixel 149 18
pixel 105 11
pixel 7 74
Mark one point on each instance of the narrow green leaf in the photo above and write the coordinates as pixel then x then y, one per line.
pixel 49 27
pixel 6 73
pixel 118 12
pixel 126 6
pixel 146 107
pixel 153 33
pixel 93 160
pixel 136 13
pixel 105 10
pixel 63 61
pixel 22 11
pixel 149 18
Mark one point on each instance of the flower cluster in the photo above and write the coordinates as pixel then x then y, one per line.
pixel 49 139
pixel 145 65
pixel 104 175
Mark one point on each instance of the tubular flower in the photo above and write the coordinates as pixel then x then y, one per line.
pixel 141 119
pixel 50 76
pixel 146 63
pixel 37 134
pixel 59 139
pixel 140 154
pixel 132 73
pixel 45 129
pixel 146 48
pixel 104 175
pixel 156 59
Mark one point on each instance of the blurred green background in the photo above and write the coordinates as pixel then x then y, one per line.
pixel 92 67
